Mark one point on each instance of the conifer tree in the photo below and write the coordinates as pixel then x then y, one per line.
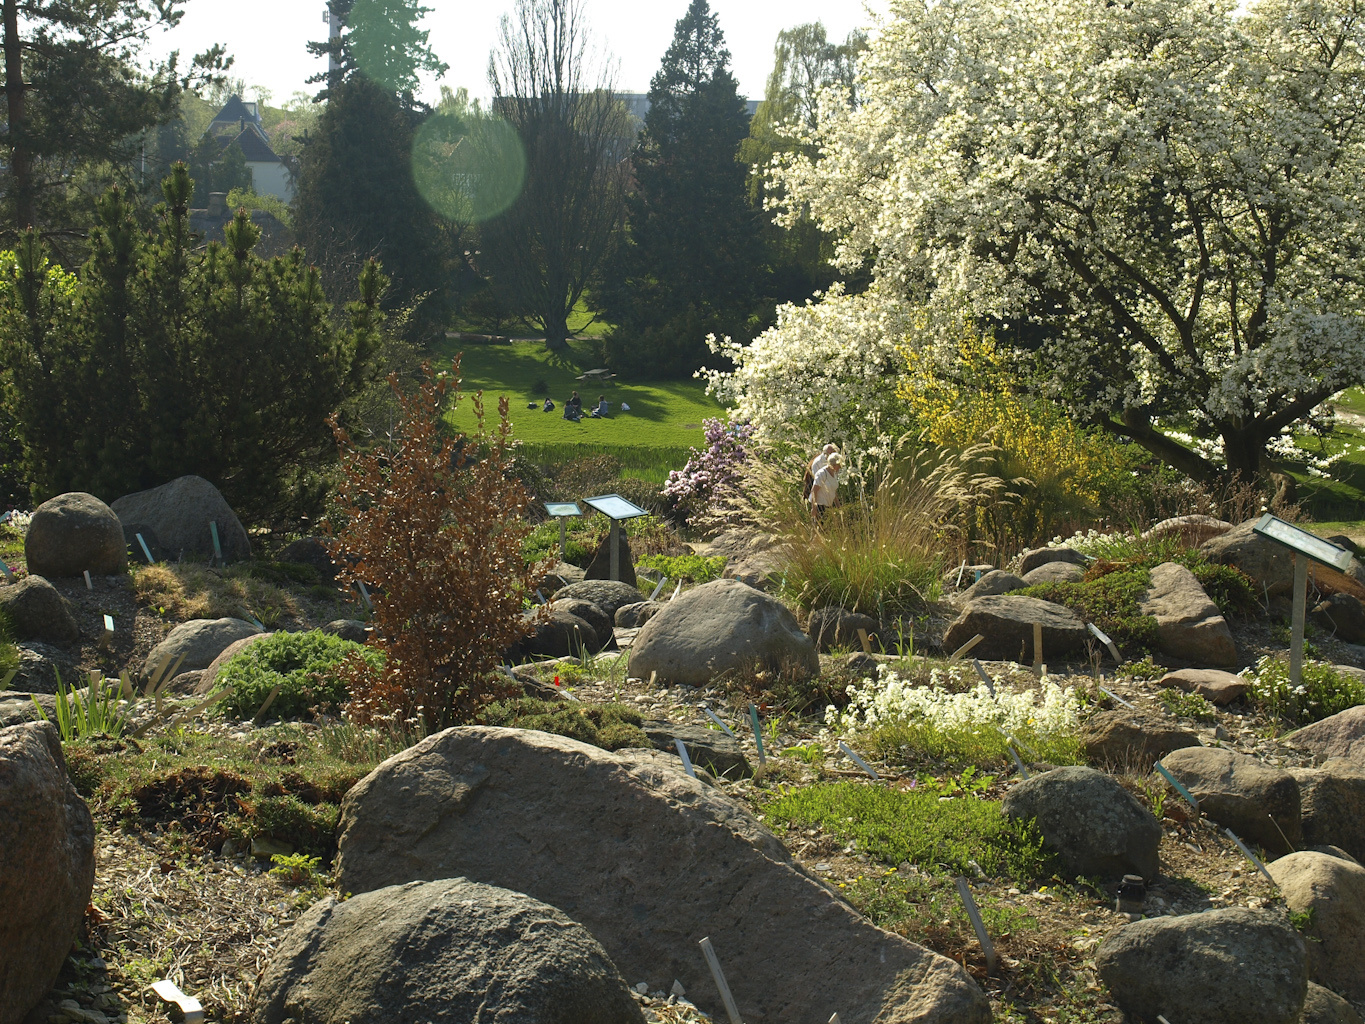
pixel 167 360
pixel 692 262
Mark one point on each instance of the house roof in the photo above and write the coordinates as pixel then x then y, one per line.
pixel 234 110
pixel 254 148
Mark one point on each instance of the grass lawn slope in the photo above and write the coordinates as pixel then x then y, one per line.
pixel 664 421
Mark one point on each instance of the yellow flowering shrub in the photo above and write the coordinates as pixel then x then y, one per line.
pixel 1050 471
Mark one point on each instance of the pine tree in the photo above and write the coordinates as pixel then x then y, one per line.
pixel 692 263
pixel 76 100
pixel 168 360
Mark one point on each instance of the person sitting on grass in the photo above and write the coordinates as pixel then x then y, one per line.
pixel 826 484
pixel 573 408
pixel 549 405
pixel 600 413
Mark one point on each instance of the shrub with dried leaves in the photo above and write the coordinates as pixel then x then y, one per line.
pixel 434 525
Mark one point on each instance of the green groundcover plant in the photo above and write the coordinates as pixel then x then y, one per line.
pixel 302 666
pixel 1323 691
pixel 919 827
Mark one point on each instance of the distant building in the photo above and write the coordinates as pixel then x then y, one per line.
pixel 240 122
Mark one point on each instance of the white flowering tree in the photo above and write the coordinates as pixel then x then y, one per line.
pixel 1168 193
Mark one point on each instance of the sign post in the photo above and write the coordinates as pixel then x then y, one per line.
pixel 1305 545
pixel 563 510
pixel 617 509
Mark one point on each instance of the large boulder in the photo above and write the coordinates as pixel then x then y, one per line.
pixel 1127 737
pixel 649 861
pixel 1323 1006
pixel 73 533
pixel 1006 623
pixel 1214 685
pixel 722 627
pixel 838 627
pixel 556 633
pixel 600 566
pixel 200 641
pixel 348 629
pixel 1344 616
pixel 993 584
pixel 47 865
pixel 1269 564
pixel 35 611
pixel 1221 967
pixel 1340 735
pixel 609 595
pixel 1333 805
pixel 1096 825
pixel 312 552
pixel 444 952
pixel 179 513
pixel 1054 572
pixel 1034 557
pixel 1191 530
pixel 1258 802
pixel 601 623
pixel 1331 893
pixel 1189 625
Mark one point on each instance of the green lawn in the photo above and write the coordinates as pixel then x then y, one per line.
pixel 664 421
pixel 1338 499
pixel 583 322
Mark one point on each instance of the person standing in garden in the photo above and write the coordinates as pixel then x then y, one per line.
pixel 825 486
pixel 816 464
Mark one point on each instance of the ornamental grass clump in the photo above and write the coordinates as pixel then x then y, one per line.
pixel 899 718
pixel 433 526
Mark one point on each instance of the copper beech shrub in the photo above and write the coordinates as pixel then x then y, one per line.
pixel 434 527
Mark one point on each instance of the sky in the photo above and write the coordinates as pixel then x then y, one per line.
pixel 267 37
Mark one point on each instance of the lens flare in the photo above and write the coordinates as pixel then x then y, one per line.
pixel 468 168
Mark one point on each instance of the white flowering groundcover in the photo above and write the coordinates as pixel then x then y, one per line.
pixel 898 715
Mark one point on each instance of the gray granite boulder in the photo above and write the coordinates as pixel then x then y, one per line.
pixel 35 611
pixel 1006 623
pixel 444 952
pixel 1222 967
pixel 722 628
pixel 1259 803
pixel 199 641
pixel 1054 572
pixel 648 861
pixel 179 513
pixel 47 865
pixel 1035 557
pixel 1125 737
pixel 1189 625
pixel 1096 825
pixel 73 533
pixel 1331 891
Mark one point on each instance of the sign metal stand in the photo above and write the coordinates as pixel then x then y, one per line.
pixel 1305 545
pixel 617 509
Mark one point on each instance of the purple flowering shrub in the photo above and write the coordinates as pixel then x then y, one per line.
pixel 710 471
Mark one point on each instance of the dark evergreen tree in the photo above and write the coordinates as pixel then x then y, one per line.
pixel 78 108
pixel 381 39
pixel 356 197
pixel 167 360
pixel 692 263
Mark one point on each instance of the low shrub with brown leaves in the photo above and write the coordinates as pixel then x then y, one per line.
pixel 434 527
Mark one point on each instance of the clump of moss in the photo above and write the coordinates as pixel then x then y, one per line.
pixel 609 726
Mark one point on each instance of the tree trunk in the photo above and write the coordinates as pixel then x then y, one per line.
pixel 557 332
pixel 20 161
